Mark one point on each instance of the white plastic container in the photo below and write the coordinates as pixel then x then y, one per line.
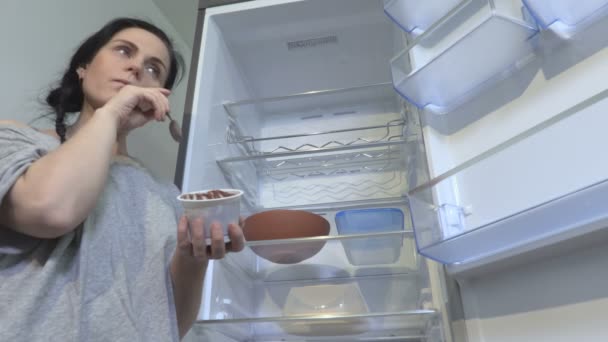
pixel 222 210
pixel 330 300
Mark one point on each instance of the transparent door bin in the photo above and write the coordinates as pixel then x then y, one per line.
pixel 488 47
pixel 563 218
pixel 295 123
pixel 418 17
pixel 567 17
pixel 509 201
pixel 318 178
pixel 414 16
pixel 487 100
pixel 374 250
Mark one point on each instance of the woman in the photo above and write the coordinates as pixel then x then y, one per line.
pixel 91 247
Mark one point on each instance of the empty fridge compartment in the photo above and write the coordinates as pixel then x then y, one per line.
pixel 315 178
pixel 508 201
pixel 567 17
pixel 316 120
pixel 488 47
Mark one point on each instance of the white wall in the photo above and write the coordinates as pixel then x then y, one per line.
pixel 37 40
pixel 182 15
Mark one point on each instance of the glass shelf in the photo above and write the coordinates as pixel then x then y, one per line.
pixel 338 256
pixel 566 17
pixel 405 326
pixel 335 256
pixel 494 43
pixel 300 179
pixel 316 120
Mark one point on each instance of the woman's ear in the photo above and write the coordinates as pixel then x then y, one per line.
pixel 81 71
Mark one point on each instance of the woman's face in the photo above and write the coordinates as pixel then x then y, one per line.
pixel 133 56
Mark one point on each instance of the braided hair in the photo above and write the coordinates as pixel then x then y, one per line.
pixel 68 96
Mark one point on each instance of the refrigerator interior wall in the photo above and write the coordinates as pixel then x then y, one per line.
pixel 264 49
pixel 218 77
pixel 255 55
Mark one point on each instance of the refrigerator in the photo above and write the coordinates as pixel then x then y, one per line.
pixel 456 147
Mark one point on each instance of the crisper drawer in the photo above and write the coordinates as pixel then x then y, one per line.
pixel 544 185
pixel 331 295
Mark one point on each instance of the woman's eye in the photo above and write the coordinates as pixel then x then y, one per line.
pixel 124 50
pixel 153 70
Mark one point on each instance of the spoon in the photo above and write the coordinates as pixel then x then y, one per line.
pixel 174 129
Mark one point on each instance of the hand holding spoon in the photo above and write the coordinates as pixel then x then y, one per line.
pixel 174 129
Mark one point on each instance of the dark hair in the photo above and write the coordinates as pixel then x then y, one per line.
pixel 68 97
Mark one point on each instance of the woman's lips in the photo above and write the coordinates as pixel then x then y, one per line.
pixel 121 82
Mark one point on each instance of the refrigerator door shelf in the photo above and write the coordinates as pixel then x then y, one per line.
pixel 415 17
pixel 425 17
pixel 299 122
pixel 543 186
pixel 487 48
pixel 567 17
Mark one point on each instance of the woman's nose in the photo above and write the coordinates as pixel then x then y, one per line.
pixel 134 68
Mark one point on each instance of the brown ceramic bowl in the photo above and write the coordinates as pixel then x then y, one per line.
pixel 286 224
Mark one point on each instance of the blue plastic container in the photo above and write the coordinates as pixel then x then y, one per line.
pixel 372 250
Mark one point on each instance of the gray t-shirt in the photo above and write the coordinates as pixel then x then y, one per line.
pixel 109 279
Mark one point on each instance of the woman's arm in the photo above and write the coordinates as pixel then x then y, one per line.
pixel 57 191
pixel 189 264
